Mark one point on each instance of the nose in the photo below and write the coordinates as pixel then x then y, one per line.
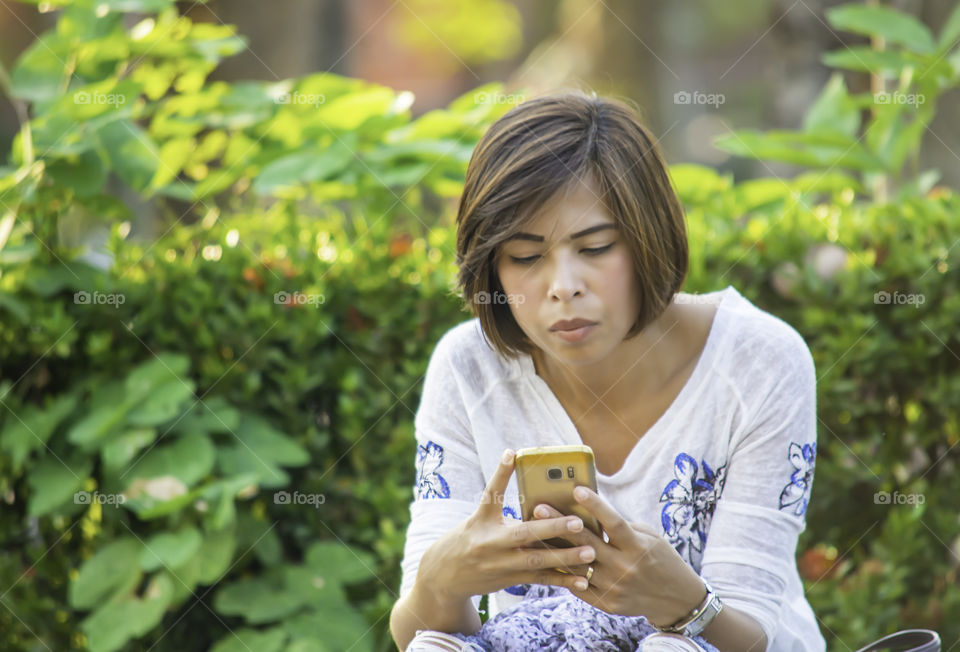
pixel 566 281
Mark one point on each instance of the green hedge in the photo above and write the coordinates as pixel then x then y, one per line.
pixel 275 337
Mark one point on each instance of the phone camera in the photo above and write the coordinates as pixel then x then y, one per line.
pixel 554 473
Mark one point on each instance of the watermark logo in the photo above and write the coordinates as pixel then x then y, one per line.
pixel 483 498
pixel 97 498
pixel 85 298
pixel 897 498
pixel 298 299
pixel 910 99
pixel 486 97
pixel 484 297
pixel 96 97
pixel 899 298
pixel 297 498
pixel 696 97
pixel 308 99
pixel 683 297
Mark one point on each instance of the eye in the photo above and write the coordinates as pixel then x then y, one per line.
pixel 594 251
pixel 598 250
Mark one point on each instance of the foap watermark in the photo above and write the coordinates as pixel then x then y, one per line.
pixel 899 299
pixel 97 498
pixel 96 97
pixel 498 297
pixel 697 97
pixel 85 298
pixel 297 498
pixel 483 498
pixel 487 97
pixel 897 498
pixel 298 299
pixel 296 97
pixel 910 99
pixel 683 297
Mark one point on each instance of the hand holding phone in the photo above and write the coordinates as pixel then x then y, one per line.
pixel 549 474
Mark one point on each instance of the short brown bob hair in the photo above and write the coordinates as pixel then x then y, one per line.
pixel 538 148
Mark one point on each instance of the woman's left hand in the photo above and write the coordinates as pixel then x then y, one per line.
pixel 636 573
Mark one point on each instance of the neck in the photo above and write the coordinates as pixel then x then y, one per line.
pixel 638 367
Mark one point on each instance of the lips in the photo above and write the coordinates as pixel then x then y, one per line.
pixel 572 324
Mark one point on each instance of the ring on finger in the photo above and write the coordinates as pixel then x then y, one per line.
pixel 589 573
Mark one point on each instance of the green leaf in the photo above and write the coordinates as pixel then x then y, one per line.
pixel 888 63
pixel 261 450
pixel 113 567
pixel 340 563
pixel 103 420
pixel 212 415
pixel 245 640
pixel 215 555
pixel 833 110
pixel 173 156
pixel 32 427
pixel 189 458
pixel 84 173
pixel 126 6
pixel 257 600
pixel 115 623
pixel 162 368
pixel 338 625
pixel 894 26
pixel 40 71
pixel 53 482
pixel 131 152
pixel 303 167
pixel 170 549
pixel 120 450
pixel 950 32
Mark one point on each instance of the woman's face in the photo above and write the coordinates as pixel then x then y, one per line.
pixel 561 273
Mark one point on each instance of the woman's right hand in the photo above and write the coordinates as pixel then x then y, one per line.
pixel 486 553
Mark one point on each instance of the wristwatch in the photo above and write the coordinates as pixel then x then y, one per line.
pixel 697 620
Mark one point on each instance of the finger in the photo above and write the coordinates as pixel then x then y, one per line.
pixel 525 533
pixel 583 536
pixel 610 520
pixel 555 578
pixel 569 560
pixel 491 502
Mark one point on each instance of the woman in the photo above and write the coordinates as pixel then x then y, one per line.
pixel 700 409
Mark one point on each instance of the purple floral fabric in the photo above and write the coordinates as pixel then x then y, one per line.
pixel 553 619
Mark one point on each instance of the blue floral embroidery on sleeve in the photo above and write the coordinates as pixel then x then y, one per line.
pixel 430 484
pixel 690 503
pixel 797 491
pixel 516 589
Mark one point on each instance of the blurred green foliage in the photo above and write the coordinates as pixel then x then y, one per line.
pixel 209 443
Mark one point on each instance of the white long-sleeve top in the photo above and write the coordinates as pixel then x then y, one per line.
pixel 725 474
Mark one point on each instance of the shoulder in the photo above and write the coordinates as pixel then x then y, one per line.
pixel 467 351
pixel 762 347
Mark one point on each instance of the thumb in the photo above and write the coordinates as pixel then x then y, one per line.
pixel 491 502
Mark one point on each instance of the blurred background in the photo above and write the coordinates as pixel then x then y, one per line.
pixel 228 249
pixel 762 56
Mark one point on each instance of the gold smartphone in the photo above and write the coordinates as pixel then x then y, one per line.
pixel 548 474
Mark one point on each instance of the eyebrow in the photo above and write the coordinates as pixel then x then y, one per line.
pixel 578 234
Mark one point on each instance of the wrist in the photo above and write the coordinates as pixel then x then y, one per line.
pixel 698 618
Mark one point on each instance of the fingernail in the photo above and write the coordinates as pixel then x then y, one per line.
pixel 586 555
pixel 581 493
pixel 507 456
pixel 581 584
pixel 541 511
pixel 574 524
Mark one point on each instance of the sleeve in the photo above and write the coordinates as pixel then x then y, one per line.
pixel 750 550
pixel 449 480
